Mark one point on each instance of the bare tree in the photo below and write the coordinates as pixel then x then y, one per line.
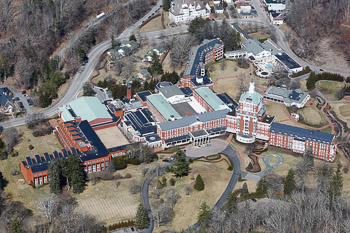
pixel 173 197
pixel 156 191
pixel 162 214
pixel 180 48
pixel 11 136
pixel 48 206
pixel 144 171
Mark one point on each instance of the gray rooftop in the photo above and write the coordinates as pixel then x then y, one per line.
pixel 256 47
pixel 170 91
pixel 187 121
pixel 184 109
pixel 288 96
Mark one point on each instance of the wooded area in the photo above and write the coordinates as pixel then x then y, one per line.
pixel 314 20
pixel 31 31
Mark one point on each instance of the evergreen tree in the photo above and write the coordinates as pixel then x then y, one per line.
pixel 311 81
pixel 290 184
pixel 3 182
pixel 204 215
pixel 166 5
pixel 16 227
pixel 156 66
pixel 199 183
pixel 261 186
pixel 120 162
pixel 231 203
pixel 181 166
pixel 112 41
pixel 132 37
pixel 244 190
pixel 65 171
pixel 250 166
pixel 55 175
pixel 142 220
pixel 77 176
pixel 336 185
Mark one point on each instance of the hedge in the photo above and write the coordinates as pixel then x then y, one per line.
pixel 121 224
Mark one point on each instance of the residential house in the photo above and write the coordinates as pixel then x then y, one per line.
pixel 276 17
pixel 6 100
pixel 142 74
pixel 296 97
pixel 183 11
pixel 218 9
pixel 159 50
pixel 124 49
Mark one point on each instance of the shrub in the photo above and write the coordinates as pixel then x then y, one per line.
pixel 106 176
pixel 230 168
pixel 122 224
pixel 14 172
pixel 134 161
pixel 14 154
pixel 172 181
pixel 250 166
pixel 127 176
pixel 118 176
pixel 120 162
pixel 31 147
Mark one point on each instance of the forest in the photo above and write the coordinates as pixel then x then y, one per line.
pixel 314 20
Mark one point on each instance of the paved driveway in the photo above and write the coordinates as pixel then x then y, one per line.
pixel 216 146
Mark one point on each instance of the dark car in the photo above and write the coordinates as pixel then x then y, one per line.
pixel 30 102
pixel 16 98
pixel 20 104
pixel 253 199
pixel 321 69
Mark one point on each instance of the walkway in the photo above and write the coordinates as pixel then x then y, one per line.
pixel 216 146
pixel 290 118
pixel 229 140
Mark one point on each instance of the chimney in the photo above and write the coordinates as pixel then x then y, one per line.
pixel 128 93
pixel 189 114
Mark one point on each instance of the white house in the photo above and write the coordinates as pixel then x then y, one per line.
pixel 159 50
pixel 183 11
pixel 275 5
pixel 218 9
pixel 276 17
pixel 256 52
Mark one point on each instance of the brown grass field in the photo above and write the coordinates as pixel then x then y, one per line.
pixel 112 137
pixel 227 80
pixel 250 183
pixel 167 67
pixel 156 23
pixel 108 203
pixel 215 176
pixel 312 115
pixel 17 188
pixel 330 89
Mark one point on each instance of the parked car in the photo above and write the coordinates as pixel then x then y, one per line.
pixel 30 102
pixel 16 98
pixel 24 92
pixel 20 104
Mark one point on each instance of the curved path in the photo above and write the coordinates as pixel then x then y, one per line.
pixel 269 166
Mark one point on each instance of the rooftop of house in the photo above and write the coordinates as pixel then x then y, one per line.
pixel 302 134
pixel 199 81
pixel 143 72
pixel 141 120
pixel 178 5
pixel 274 2
pixel 197 56
pixel 210 98
pixel 297 95
pixel 143 95
pixel 187 91
pixel 170 91
pixel 85 132
pixel 163 107
pixel 163 84
pixel 287 60
pixel 86 107
pixel 228 100
pixel 256 47
pixel 189 120
pixel 218 7
pixel 268 119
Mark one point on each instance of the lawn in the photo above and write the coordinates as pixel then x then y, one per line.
pixel 261 35
pixel 312 116
pixel 342 111
pixel 110 204
pixel 250 183
pixel 330 89
pixel 276 110
pixel 17 188
pixel 156 23
pixel 215 176
pixel 227 79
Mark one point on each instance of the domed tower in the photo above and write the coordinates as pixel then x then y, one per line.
pixel 250 109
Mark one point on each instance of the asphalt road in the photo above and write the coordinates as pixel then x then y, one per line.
pixel 231 153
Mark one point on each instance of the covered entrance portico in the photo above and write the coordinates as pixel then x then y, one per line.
pixel 200 137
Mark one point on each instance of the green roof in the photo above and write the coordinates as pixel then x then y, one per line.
pixel 163 107
pixel 213 100
pixel 251 95
pixel 87 107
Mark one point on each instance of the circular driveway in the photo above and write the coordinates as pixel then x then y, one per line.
pixel 216 146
